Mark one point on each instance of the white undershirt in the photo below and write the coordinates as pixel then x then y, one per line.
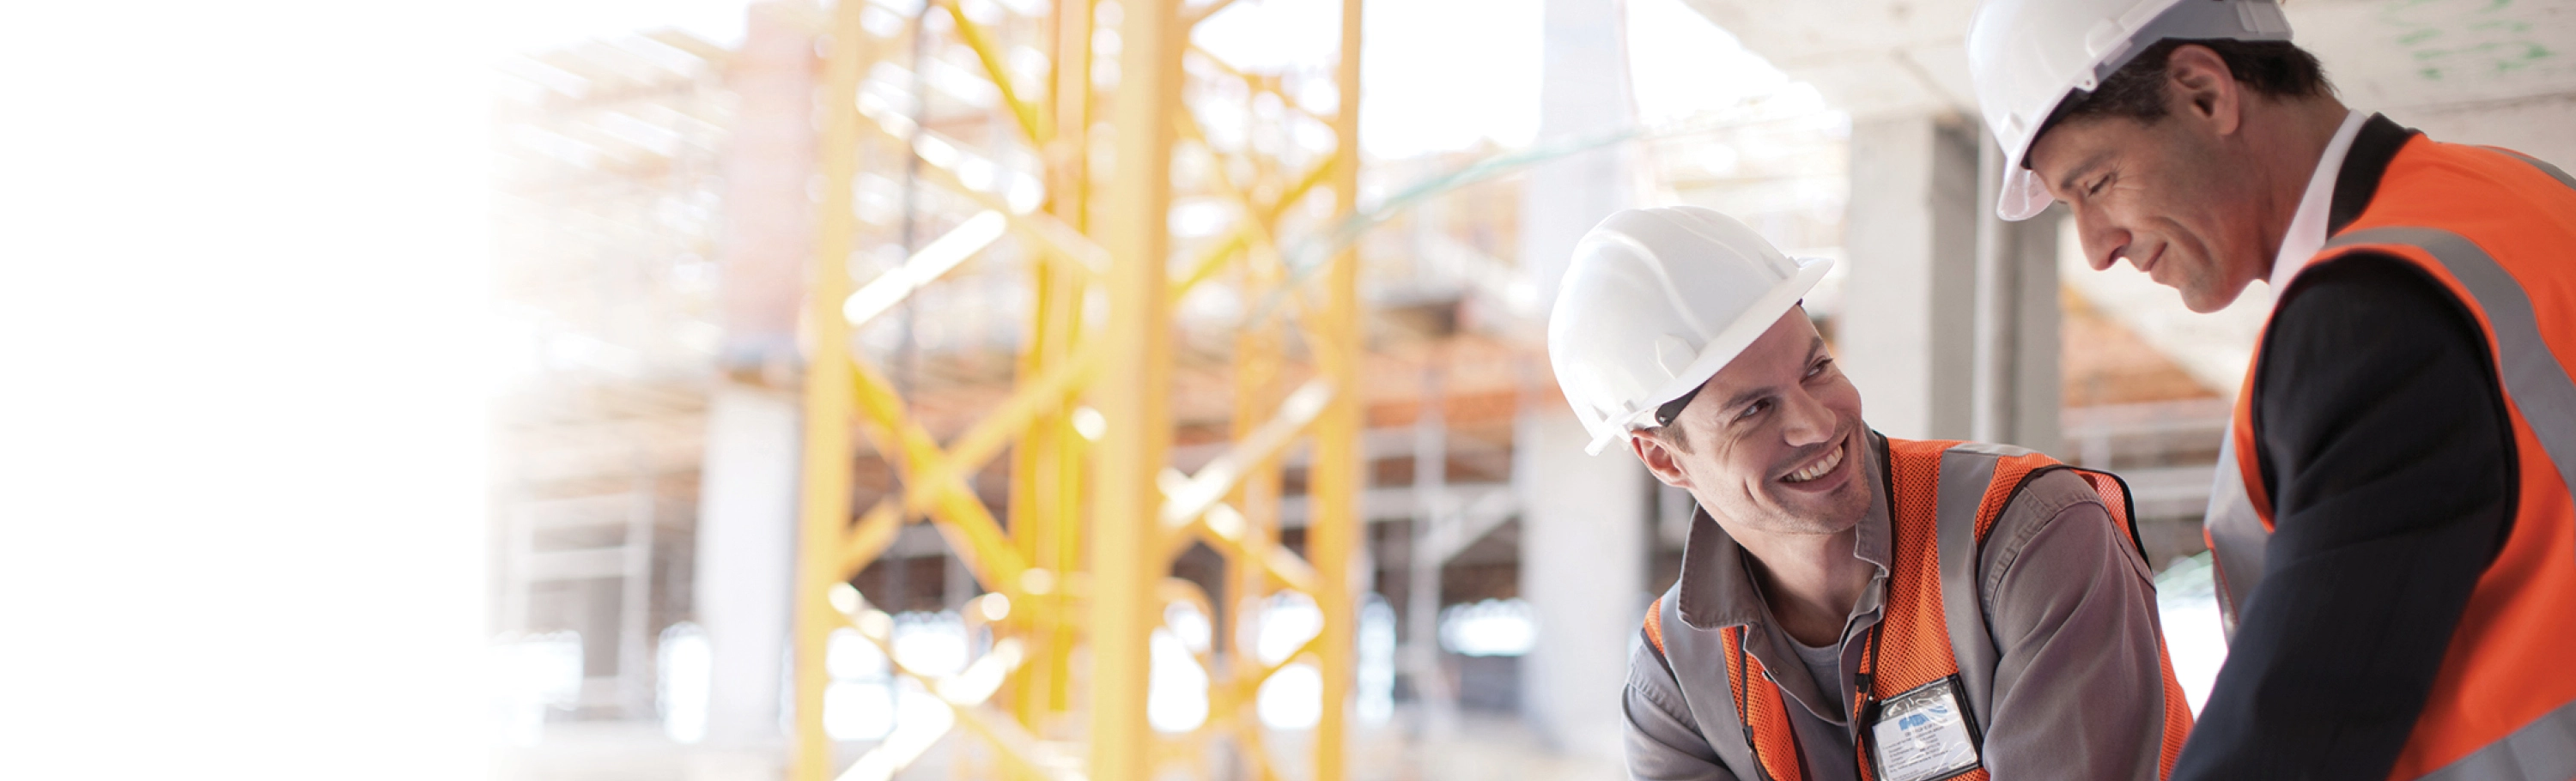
pixel 2308 226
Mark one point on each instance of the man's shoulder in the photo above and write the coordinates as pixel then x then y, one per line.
pixel 2056 525
pixel 2044 495
pixel 1899 447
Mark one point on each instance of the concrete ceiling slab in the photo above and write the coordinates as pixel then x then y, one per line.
pixel 1875 84
pixel 1879 57
pixel 2405 54
pixel 1792 32
pixel 1867 57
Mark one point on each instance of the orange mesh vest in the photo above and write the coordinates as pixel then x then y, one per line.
pixel 2495 228
pixel 1944 497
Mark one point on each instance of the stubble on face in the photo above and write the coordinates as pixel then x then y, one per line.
pixel 1739 464
pixel 2171 201
pixel 1761 501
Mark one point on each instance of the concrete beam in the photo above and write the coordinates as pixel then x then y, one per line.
pixel 1906 330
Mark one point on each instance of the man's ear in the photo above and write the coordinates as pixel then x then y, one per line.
pixel 1659 459
pixel 2199 85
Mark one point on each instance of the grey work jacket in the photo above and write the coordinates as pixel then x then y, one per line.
pixel 2071 686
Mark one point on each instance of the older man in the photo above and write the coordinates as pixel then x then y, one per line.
pixel 2393 520
pixel 1851 605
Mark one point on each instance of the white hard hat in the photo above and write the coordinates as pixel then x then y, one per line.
pixel 1655 303
pixel 2027 54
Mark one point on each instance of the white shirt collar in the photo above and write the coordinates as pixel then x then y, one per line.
pixel 2308 226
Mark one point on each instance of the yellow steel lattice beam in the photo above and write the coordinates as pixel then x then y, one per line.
pixel 825 503
pixel 1115 498
pixel 964 693
pixel 1060 240
pixel 1186 498
pixel 1333 526
pixel 962 513
pixel 1253 231
pixel 1046 497
pixel 1135 392
pixel 1193 16
pixel 977 39
pixel 932 476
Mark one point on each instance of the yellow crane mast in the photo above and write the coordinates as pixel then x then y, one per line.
pixel 1077 567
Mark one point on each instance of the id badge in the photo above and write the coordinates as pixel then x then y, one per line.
pixel 1923 734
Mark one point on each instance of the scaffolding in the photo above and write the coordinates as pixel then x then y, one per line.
pixel 1096 514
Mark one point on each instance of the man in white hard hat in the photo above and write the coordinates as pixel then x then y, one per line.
pixel 1850 606
pixel 2392 522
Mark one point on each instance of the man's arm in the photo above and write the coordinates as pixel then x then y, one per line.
pixel 2387 450
pixel 1662 743
pixel 2079 680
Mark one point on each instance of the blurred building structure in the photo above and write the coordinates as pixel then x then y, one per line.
pixel 605 231
pixel 657 214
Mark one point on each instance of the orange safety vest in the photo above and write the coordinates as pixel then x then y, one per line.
pixel 2494 227
pixel 1932 602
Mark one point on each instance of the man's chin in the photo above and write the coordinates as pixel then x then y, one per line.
pixel 1831 513
pixel 2205 302
pixel 2205 298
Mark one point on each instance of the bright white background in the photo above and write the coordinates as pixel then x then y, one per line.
pixel 241 254
pixel 1439 75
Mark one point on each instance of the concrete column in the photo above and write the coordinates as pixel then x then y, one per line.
pixel 2020 328
pixel 746 566
pixel 1907 327
pixel 1583 93
pixel 746 556
pixel 769 214
pixel 1584 521
pixel 2038 385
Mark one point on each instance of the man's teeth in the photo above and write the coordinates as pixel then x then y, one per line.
pixel 1819 469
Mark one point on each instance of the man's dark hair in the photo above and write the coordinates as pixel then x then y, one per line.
pixel 2277 69
pixel 1664 430
pixel 1672 436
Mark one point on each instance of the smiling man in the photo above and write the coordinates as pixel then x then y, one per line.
pixel 1850 606
pixel 2392 516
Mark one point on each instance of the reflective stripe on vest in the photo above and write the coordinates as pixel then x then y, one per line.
pixel 2462 735
pixel 1945 499
pixel 2236 535
pixel 2543 165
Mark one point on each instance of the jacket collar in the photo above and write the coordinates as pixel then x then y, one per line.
pixel 2357 180
pixel 2307 231
pixel 1717 590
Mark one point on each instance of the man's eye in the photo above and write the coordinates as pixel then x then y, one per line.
pixel 1820 367
pixel 2096 187
pixel 1755 408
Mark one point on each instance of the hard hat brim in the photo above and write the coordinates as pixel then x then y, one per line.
pixel 1721 349
pixel 2022 196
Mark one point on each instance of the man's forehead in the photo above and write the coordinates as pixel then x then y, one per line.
pixel 1742 377
pixel 2075 145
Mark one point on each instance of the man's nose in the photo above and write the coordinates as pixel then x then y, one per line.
pixel 1805 418
pixel 2102 240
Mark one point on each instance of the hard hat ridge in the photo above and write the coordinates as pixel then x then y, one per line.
pixel 1655 302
